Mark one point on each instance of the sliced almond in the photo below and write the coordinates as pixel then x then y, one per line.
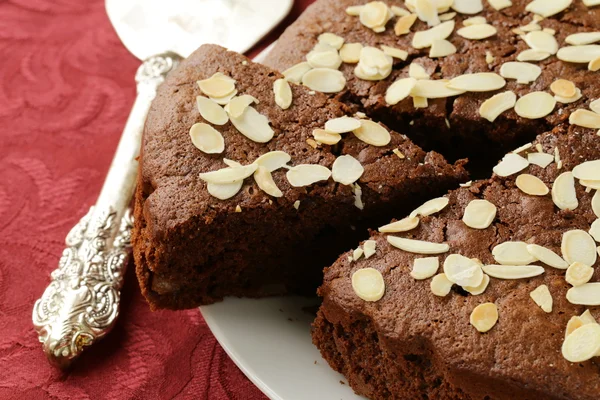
pixel 253 125
pixel 535 105
pixel 463 271
pixel 416 71
pixel 541 41
pixel 424 268
pixel 372 133
pixel 513 253
pixel 420 102
pixel 236 106
pixel 283 93
pixel 307 174
pixel 325 137
pixel 353 10
pixel 532 55
pixel 479 214
pixel 595 106
pixel 523 72
pixel 547 8
pixel 574 323
pixel 369 247
pixel 596 203
pixel 440 285
pixel 540 159
pixel 477 290
pixel 587 294
pixel 207 139
pixel 474 21
pixel 217 85
pixel 497 104
pixel 368 284
pixel 403 225
pixel 594 64
pixel 531 185
pixel 563 88
pixel 357 253
pixel 588 170
pixel 273 160
pixel 542 297
pixel 578 274
pixel 418 246
pixel 587 318
pixel 582 344
pixel 578 246
pixel 591 3
pixel 324 80
pixel 568 100
pixel 331 39
pixel 585 118
pixel 477 82
pixel 404 24
pixel 342 124
pixel 582 38
pixel 532 26
pixel 513 271
pixel 399 11
pixel 547 256
pixel 350 52
pixel 346 170
pixel 211 111
pixel 265 182
pixel 563 192
pixel 228 175
pixel 399 90
pixel 224 191
pixel 590 184
pixel 375 14
pixel 510 164
pixel 579 54
pixel 467 6
pixel 477 32
pixel 423 39
pixel 296 72
pixel 223 101
pixel 434 89
pixel 447 16
pixel 430 207
pixel 484 317
pixel 427 12
pixel 324 59
pixel 394 52
pixel 500 4
pixel 374 64
pixel 441 48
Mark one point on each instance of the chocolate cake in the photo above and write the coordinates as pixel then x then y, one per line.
pixel 195 243
pixel 413 337
pixel 452 125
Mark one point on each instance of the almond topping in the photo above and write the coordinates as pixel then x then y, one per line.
pixel 418 246
pixel 500 4
pixel 568 100
pixel 368 284
pixel 541 41
pixel 353 11
pixel 372 133
pixel 440 285
pixel 206 138
pixel 325 137
pixel 424 39
pixel 547 8
pixel 474 21
pixel 342 124
pixel 399 90
pixel 265 182
pixel 532 55
pixel 273 160
pixel 431 207
pixel 477 82
pixel 582 344
pixel 588 170
pixel 563 192
pixel 531 185
pixel 585 118
pixel 211 111
pixel 596 203
pixel 479 214
pixel 441 48
pixel 497 104
pixel 427 12
pixel 346 170
pixel 547 256
pixel 477 290
pixel 236 106
pixel 510 164
pixel 417 71
pixel 523 72
pixel 477 32
pixel 228 175
pixel 375 15
pixel 513 271
pixel 467 6
pixel 283 93
pixel 463 271
pixel 424 268
pixel 307 174
pixel 403 225
pixel 512 253
pixel 332 40
pixel 324 59
pixel 578 274
pixel 587 294
pixel 434 89
pixel 595 106
pixel 399 11
pixel 296 72
pixel 535 105
pixel 578 246
pixel 579 54
pixel 404 24
pixel 594 65
pixel 542 297
pixel 540 159
pixel 369 247
pixel 563 88
pixel 224 191
pixel 350 52
pixel 253 125
pixel 484 317
pixel 581 38
pixel 394 52
pixel 324 80
pixel 217 85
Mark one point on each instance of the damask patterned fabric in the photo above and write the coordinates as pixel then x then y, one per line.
pixel 66 88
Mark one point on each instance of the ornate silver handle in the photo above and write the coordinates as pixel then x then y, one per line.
pixel 81 303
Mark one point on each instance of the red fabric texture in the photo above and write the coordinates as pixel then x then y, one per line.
pixel 66 88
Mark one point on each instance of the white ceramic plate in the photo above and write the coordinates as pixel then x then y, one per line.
pixel 269 340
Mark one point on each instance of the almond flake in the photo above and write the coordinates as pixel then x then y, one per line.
pixel 434 89
pixel 374 14
pixel 467 6
pixel 541 41
pixel 224 191
pixel 574 323
pixel 520 149
pixel 479 214
pixel 424 268
pixel 477 82
pixel 283 93
pixel 357 253
pixel 568 100
pixel 372 133
pixel 535 105
pixel 578 246
pixel 342 124
pixel 324 59
pixel 587 294
pixel 582 344
pixel 236 106
pixel 399 90
pixel 500 4
pixel 253 125
pixel 531 185
pixel 547 256
pixel 217 85
pixel 369 247
pixel 231 163
pixel 420 102
pixel 447 16
pixel 357 191
pixel 430 207
pixel 440 285
pixel 563 192
pixel 585 118
pixel 523 72
pixel 228 175
pixel 590 184
pixel 497 104
pixel 350 52
pixel 589 170
pixel 484 317
pixel 206 138
pixel 540 159
pixel 325 137
pixel 374 64
pixel 211 111
pixel 591 3
pixel 477 290
pixel 510 164
pixel 353 11
pixel 596 203
pixel 581 38
pixel 578 274
pixel 532 26
pixel 332 40
pixel 463 271
pixel 512 253
pixel 399 154
pixel 273 160
pixel 513 271
pixel 423 39
pixel 404 24
pixel 547 8
pixel 474 21
pixel 466 184
pixel 307 174
pixel 579 54
pixel 542 297
pixel 532 55
pixel 427 12
pixel 403 225
pixel 489 58
pixel 594 65
pixel 265 182
pixel 441 48
pixel 477 32
pixel 368 284
pixel 297 204
pixel 418 246
pixel 324 80
pixel 225 99
pixel 587 318
pixel 417 71
pixel 346 170
pixel 394 52
pixel 563 88
pixel 399 11
pixel 296 72
pixel 595 106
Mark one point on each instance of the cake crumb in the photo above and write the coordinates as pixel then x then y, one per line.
pixel 399 153
pixel 312 143
pixel 466 184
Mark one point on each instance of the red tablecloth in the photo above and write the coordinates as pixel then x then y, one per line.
pixel 66 87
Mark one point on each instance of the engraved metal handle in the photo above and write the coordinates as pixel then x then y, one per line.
pixel 81 304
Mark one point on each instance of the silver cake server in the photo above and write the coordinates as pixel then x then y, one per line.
pixel 81 303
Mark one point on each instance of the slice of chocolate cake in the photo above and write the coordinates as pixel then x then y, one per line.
pixel 471 295
pixel 249 186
